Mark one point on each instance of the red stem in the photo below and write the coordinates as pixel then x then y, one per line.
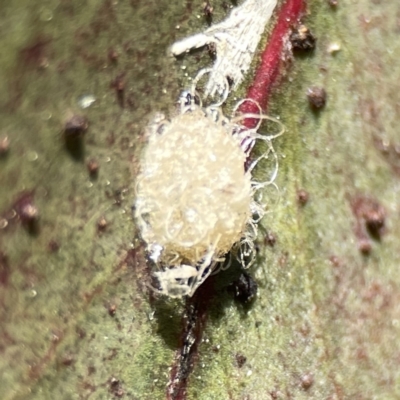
pixel 268 71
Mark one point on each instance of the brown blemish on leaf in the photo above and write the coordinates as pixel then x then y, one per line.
pixel 93 168
pixel 53 246
pixel 80 332
pixel 276 394
pixel 302 39
pixel 102 224
pixel 4 145
pixel 112 309
pixel 35 54
pixel 116 387
pixel 4 269
pixel 119 84
pixel 307 381
pixel 67 360
pixel 25 210
pixel 270 239
pixel 208 11
pixel 316 97
pixel 240 359
pixel 74 129
pixel 76 125
pixel 302 197
pixel 113 55
pixel 370 221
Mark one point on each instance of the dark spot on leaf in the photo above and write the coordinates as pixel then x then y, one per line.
pixel 115 387
pixel 302 197
pixel 4 269
pixel 93 168
pixel 112 309
pixel 34 54
pixel 244 288
pixel 302 39
pixel 53 246
pixel 240 360
pixel 370 221
pixel 27 211
pixel 316 97
pixel 119 84
pixel 74 129
pixel 113 55
pixel 4 145
pixel 67 360
pixel 270 239
pixel 76 125
pixel 307 381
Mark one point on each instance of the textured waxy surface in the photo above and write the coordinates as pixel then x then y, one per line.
pixel 193 194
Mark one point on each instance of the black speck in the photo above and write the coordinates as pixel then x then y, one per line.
pixel 244 288
pixel 302 39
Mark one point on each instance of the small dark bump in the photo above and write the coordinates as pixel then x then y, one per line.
pixel 302 197
pixel 53 246
pixel 68 360
pixel 335 261
pixel 112 309
pixel 276 394
pixel 244 288
pixel 93 167
pixel 113 55
pixel 102 224
pixel 212 50
pixel 29 212
pixel 270 239
pixel 80 332
pixel 76 125
pixel 114 382
pixel 115 387
pixel 316 97
pixel 208 11
pixel 307 381
pixel 302 39
pixel 240 360
pixel 4 145
pixel 375 221
pixel 119 85
pixel 371 216
pixel 365 246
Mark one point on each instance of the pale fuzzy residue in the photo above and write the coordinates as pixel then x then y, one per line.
pixel 236 39
pixel 195 200
pixel 194 189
